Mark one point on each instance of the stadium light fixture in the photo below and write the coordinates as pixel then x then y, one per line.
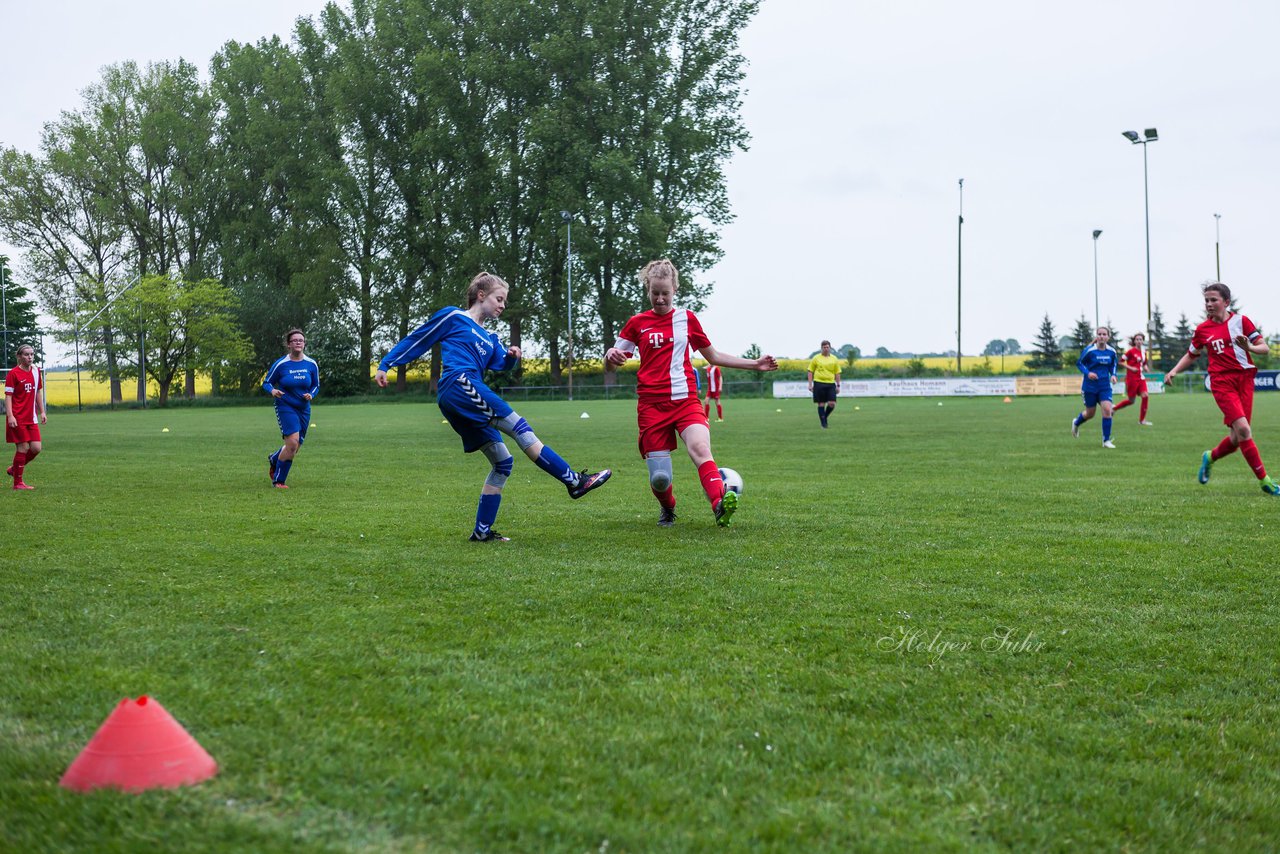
pixel 1151 136
pixel 568 275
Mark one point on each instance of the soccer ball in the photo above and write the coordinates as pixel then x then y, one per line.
pixel 732 480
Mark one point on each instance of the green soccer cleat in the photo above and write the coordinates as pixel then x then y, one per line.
pixel 1269 486
pixel 1206 463
pixel 725 507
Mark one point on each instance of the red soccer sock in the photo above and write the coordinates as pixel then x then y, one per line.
pixel 1142 411
pixel 1225 448
pixel 712 485
pixel 719 411
pixel 666 499
pixel 1122 404
pixel 706 409
pixel 1253 458
pixel 19 463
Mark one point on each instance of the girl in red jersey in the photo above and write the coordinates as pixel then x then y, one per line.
pixel 1135 384
pixel 24 412
pixel 1228 338
pixel 666 390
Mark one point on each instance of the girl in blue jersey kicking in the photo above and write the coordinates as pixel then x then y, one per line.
pixel 293 381
pixel 474 410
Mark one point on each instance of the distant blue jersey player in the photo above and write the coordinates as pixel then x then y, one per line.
pixel 478 415
pixel 293 381
pixel 1098 364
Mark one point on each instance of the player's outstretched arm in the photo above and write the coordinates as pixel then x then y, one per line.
pixel 1183 364
pixel 615 357
pixel 715 357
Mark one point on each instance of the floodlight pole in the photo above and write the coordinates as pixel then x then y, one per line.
pixel 959 271
pixel 1097 232
pixel 1150 136
pixel 568 273
pixel 1217 244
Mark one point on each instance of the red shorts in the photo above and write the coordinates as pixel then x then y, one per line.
pixel 663 421
pixel 21 433
pixel 1233 390
pixel 1134 384
pixel 714 394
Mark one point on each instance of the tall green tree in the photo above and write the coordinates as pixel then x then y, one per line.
pixel 18 316
pixel 1081 337
pixel 186 326
pixel 1046 355
pixel 280 252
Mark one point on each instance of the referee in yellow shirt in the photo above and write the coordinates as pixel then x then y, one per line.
pixel 824 381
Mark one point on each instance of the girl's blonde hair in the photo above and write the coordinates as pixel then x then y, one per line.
pixel 483 283
pixel 660 269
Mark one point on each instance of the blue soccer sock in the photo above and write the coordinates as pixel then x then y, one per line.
pixel 487 511
pixel 282 469
pixel 1106 429
pixel 275 456
pixel 550 462
pixel 1079 419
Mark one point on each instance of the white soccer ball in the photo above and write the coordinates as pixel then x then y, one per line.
pixel 732 480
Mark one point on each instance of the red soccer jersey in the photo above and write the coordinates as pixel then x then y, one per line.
pixel 664 341
pixel 715 380
pixel 24 386
pixel 1218 340
pixel 1134 360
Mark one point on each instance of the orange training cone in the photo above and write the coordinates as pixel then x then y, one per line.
pixel 139 746
pixel 1008 400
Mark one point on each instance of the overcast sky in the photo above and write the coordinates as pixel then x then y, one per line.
pixel 863 118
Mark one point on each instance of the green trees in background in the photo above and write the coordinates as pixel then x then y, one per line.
pixel 1045 352
pixel 354 178
pixel 19 316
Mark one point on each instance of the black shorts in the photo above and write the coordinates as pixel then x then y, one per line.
pixel 824 392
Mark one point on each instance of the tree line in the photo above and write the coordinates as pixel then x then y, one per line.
pixel 351 180
pixel 1164 347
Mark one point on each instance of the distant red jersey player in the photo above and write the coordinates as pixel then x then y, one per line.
pixel 24 412
pixel 1229 339
pixel 1135 384
pixel 666 390
pixel 715 382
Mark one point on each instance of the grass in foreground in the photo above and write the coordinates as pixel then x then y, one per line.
pixel 928 627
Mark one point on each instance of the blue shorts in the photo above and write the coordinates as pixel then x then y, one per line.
pixel 293 420
pixel 471 407
pixel 1094 396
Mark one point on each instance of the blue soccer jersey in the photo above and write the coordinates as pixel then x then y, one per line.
pixel 1101 361
pixel 466 347
pixel 295 378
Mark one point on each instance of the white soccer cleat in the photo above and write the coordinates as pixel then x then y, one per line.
pixel 1075 429
pixel 1109 444
pixel 1146 424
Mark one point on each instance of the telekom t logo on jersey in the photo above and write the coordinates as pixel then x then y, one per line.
pixel 655 339
pixel 1218 345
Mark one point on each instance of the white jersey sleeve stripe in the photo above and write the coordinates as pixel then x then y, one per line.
pixel 1235 328
pixel 679 354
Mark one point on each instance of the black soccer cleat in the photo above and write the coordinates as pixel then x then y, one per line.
pixel 588 482
pixel 667 518
pixel 271 467
pixel 489 536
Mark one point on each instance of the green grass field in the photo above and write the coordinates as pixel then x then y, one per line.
pixel 929 628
